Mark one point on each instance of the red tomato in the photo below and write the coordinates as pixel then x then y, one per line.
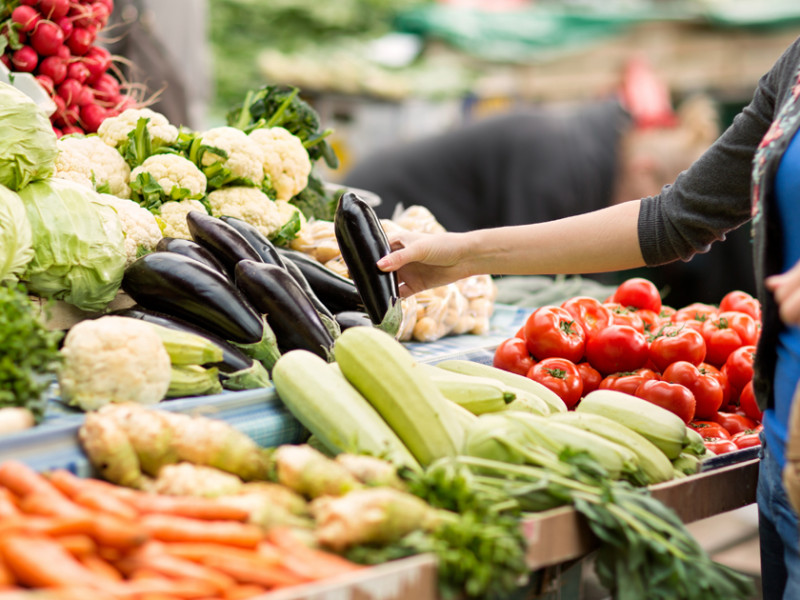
pixel 725 333
pixel 561 376
pixel 733 422
pixel 747 403
pixel 617 348
pixel 738 366
pixel 652 322
pixel 721 377
pixel 709 429
pixel 512 355
pixel 675 343
pixel 551 331
pixel 590 376
pixel 706 389
pixel 622 315
pixel 676 398
pixel 588 312
pixel 746 439
pixel 720 445
pixel 638 292
pixel 627 381
pixel 696 311
pixel 666 312
pixel 742 302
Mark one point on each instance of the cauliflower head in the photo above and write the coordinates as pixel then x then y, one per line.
pixel 114 130
pixel 87 159
pixel 173 218
pixel 286 160
pixel 248 204
pixel 113 359
pixel 138 224
pixel 245 157
pixel 174 174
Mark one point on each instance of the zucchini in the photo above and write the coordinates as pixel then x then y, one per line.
pixel 320 397
pixel 389 377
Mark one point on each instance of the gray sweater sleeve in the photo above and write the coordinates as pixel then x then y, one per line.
pixel 712 197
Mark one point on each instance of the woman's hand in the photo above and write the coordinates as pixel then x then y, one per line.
pixel 423 261
pixel 786 289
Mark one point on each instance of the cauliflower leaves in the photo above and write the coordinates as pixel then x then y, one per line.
pixel 228 156
pixel 164 177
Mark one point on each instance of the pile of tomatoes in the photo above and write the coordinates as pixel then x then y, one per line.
pixel 696 361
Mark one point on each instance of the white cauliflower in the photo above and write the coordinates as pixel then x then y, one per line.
pixel 173 217
pixel 286 160
pixel 138 224
pixel 87 159
pixel 245 157
pixel 248 204
pixel 173 173
pixel 114 130
pixel 113 359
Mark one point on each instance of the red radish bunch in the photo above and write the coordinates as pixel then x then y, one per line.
pixel 55 40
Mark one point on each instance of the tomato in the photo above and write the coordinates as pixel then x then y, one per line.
pixel 590 376
pixel 725 333
pixel 739 366
pixel 709 429
pixel 617 348
pixel 696 311
pixel 675 343
pixel 747 439
pixel 666 312
pixel 512 355
pixel 561 376
pixel 706 389
pixel 720 445
pixel 652 322
pixel 588 312
pixel 627 381
pixel 520 332
pixel 551 331
pixel 747 403
pixel 622 315
pixel 733 422
pixel 638 292
pixel 742 302
pixel 676 398
pixel 723 381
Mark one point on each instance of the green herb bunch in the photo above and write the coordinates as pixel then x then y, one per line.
pixel 29 352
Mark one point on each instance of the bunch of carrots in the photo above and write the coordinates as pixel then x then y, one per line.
pixel 76 538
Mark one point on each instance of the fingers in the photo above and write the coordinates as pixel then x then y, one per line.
pixel 786 289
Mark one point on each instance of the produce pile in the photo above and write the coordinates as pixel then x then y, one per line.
pixel 696 361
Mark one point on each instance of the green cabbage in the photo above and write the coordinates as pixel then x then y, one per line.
pixel 16 246
pixel 27 143
pixel 79 252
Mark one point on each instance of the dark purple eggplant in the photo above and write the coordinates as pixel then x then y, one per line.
pixel 185 288
pixel 233 359
pixel 362 242
pixel 353 318
pixel 338 293
pixel 291 314
pixel 260 243
pixel 192 250
pixel 225 242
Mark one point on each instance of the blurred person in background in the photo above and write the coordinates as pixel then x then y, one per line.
pixel 547 162
pixel 750 174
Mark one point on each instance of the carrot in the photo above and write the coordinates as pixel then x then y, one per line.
pixel 170 528
pixel 8 504
pixel 38 561
pixel 243 591
pixel 307 561
pixel 176 588
pixel 77 544
pixel 100 567
pixel 6 576
pixel 108 530
pixel 188 506
pixel 22 479
pixel 254 571
pixel 175 567
pixel 50 503
pixel 71 485
pixel 198 552
pixel 103 502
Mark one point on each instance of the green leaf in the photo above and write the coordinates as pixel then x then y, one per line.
pixel 287 232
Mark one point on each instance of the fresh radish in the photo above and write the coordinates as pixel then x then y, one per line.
pixel 47 38
pixel 92 115
pixel 6 61
pixel 46 83
pixel 85 96
pixel 69 90
pixel 54 9
pixel 78 71
pixel 80 41
pixel 72 129
pixel 106 88
pixel 25 59
pixel 25 17
pixel 65 23
pixel 55 68
pixel 64 53
pixel 29 2
pixel 97 59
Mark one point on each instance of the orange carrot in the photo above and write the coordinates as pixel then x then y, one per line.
pixel 188 506
pixel 108 530
pixel 71 485
pixel 103 502
pixel 304 560
pixel 77 544
pixel 100 567
pixel 170 528
pixel 177 588
pixel 8 504
pixel 199 551
pixel 254 571
pixel 22 479
pixel 179 568
pixel 243 591
pixel 50 503
pixel 6 576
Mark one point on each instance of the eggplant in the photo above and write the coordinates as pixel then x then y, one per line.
pixel 362 242
pixel 338 293
pixel 192 250
pixel 225 242
pixel 353 318
pixel 185 288
pixel 290 313
pixel 260 243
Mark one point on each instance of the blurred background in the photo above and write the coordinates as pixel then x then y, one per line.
pixel 383 73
